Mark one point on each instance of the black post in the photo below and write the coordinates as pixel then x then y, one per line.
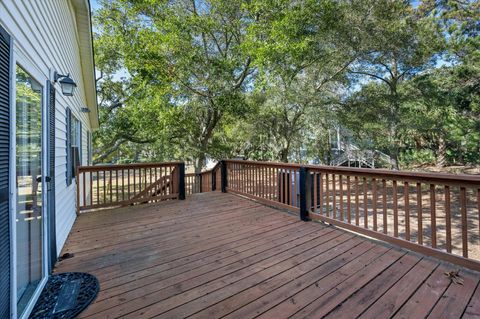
pixel 304 194
pixel 214 179
pixel 181 181
pixel 224 176
pixel 199 183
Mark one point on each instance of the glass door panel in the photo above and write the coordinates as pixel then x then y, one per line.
pixel 29 212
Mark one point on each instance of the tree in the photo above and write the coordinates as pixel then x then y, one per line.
pixel 397 42
pixel 301 56
pixel 184 59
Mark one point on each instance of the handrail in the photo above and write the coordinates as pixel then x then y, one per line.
pixel 125 166
pixel 433 213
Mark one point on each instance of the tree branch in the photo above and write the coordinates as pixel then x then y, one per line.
pixel 371 75
pixel 242 77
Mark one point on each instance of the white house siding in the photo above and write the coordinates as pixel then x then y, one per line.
pixel 45 32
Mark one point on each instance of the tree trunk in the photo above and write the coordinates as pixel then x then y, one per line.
pixel 284 155
pixel 441 152
pixel 395 164
pixel 199 163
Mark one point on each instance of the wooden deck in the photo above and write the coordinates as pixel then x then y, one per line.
pixel 218 255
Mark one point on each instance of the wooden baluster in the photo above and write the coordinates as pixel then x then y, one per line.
pixel 128 178
pixel 104 187
pixel 233 179
pixel 270 181
pixel 245 182
pixel 110 173
pixel 170 189
pixel 164 183
pixel 271 184
pixel 349 209
pixel 247 179
pixel 320 197
pixel 267 182
pixel 260 181
pixel 98 187
pixel 277 183
pixel 292 187
pixel 384 206
pixel 395 209
pixel 84 189
pixel 250 180
pixel 145 178
pixel 463 212
pixel 365 203
pixel 419 214
pixel 374 203
pixel 116 185
pixel 282 182
pixel 150 182
pixel 448 218
pixel 340 181
pixel 334 199
pixel 134 181
pixel 433 216
pixel 155 189
pixel 233 173
pixel 243 173
pixel 296 190
pixel 91 188
pixel 255 182
pixel 327 196
pixel 357 204
pixel 407 210
pixel 263 182
pixel 123 184
pixel 315 192
pixel 240 177
pixel 255 178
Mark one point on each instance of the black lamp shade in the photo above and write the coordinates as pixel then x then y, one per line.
pixel 68 86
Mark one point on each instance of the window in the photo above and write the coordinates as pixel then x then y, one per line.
pixel 74 145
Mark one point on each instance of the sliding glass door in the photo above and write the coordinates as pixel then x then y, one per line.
pixel 29 188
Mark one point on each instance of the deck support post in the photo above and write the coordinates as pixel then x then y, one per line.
pixel 200 181
pixel 305 193
pixel 223 168
pixel 181 181
pixel 214 180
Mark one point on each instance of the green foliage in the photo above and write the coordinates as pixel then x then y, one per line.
pixel 197 79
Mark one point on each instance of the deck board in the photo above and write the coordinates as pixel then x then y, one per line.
pixel 218 255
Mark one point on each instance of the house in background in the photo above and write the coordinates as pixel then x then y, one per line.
pixel 45 131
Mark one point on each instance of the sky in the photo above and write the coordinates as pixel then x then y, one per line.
pixel 94 4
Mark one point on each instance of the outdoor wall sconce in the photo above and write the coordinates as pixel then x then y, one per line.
pixel 84 110
pixel 66 82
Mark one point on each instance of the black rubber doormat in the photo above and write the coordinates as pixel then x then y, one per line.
pixel 66 295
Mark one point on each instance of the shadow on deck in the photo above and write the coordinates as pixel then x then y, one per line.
pixel 219 255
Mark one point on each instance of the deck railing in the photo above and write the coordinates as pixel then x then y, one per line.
pixel 206 181
pixel 435 214
pixel 105 186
